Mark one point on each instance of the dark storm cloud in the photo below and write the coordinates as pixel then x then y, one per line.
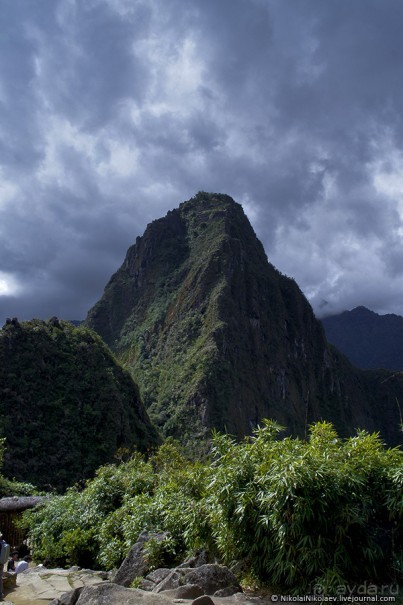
pixel 114 111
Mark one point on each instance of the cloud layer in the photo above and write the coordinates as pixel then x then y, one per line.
pixel 114 111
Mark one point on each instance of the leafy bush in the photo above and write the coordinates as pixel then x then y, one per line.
pixel 323 511
pixel 159 553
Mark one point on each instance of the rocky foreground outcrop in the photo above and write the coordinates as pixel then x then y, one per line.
pixel 109 593
pixel 193 579
pixel 160 587
pixel 39 585
pixel 113 594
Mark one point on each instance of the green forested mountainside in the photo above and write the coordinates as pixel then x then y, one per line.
pixel 66 406
pixel 368 340
pixel 215 336
pixel 11 487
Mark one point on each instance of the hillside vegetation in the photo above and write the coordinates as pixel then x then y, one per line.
pixel 11 487
pixel 66 406
pixel 323 511
pixel 216 337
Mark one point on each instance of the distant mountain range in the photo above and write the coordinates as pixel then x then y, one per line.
pixel 369 340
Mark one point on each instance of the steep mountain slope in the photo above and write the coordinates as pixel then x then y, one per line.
pixel 368 340
pixel 215 336
pixel 66 406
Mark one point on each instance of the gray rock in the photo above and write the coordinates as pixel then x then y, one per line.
pixel 99 573
pixel 246 599
pixel 204 600
pixel 211 577
pixel 183 570
pixel 158 575
pixel 228 591
pixel 189 591
pixel 68 598
pixel 147 584
pixel 9 580
pixel 134 565
pixel 113 594
pixel 71 597
pixel 199 558
pixel 173 580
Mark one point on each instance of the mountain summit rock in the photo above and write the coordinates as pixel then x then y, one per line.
pixel 216 337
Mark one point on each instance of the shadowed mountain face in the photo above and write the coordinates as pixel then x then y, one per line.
pixel 369 340
pixel 66 406
pixel 216 337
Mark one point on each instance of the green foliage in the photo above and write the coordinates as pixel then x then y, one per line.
pixel 2 449
pixel 323 511
pixel 159 553
pixel 65 404
pixel 10 487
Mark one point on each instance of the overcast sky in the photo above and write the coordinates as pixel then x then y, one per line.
pixel 115 111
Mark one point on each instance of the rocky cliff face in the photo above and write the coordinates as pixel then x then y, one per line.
pixel 215 336
pixel 66 406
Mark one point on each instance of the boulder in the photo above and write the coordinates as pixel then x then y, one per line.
pixel 199 558
pixel 134 564
pixel 173 580
pixel 158 575
pixel 147 584
pixel 211 577
pixel 114 594
pixel 228 591
pixel 68 598
pixel 204 600
pixel 99 573
pixel 189 591
pixel 9 580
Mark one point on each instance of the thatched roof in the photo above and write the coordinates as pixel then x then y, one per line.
pixel 19 503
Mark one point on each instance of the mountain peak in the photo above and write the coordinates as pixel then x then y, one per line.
pixel 210 199
pixel 361 310
pixel 216 337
